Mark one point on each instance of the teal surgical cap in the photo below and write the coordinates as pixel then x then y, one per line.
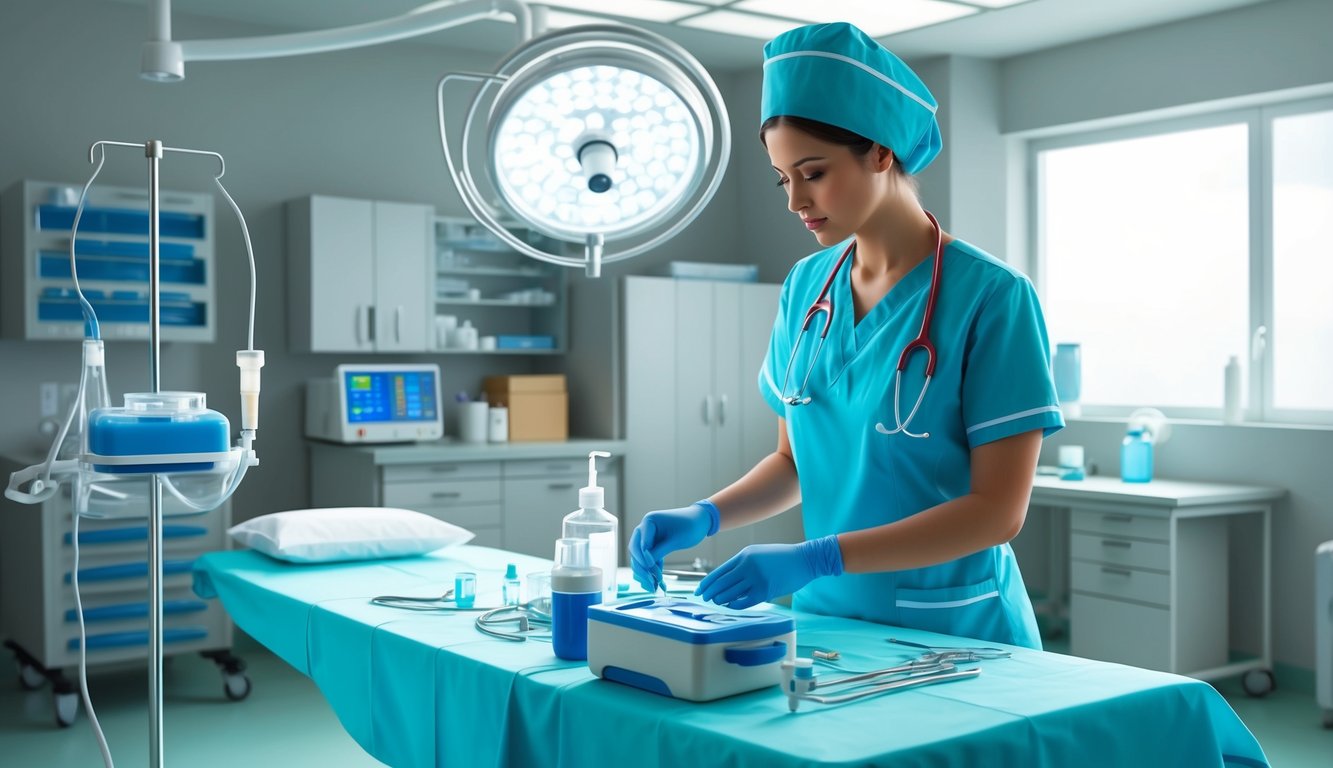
pixel 839 75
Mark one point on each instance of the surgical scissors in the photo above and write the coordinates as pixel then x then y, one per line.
pixel 823 304
pixel 947 654
pixel 798 680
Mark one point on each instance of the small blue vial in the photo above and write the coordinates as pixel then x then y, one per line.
pixel 511 585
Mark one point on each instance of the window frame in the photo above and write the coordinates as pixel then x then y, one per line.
pixel 1259 407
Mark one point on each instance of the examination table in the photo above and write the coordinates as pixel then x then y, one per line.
pixel 427 689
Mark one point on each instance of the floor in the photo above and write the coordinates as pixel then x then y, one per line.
pixel 286 723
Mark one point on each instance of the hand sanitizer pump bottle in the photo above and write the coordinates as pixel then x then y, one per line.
pixel 601 528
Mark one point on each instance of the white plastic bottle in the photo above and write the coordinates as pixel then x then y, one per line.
pixel 1231 408
pixel 601 528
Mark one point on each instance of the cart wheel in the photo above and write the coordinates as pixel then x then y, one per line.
pixel 237 687
pixel 66 708
pixel 30 679
pixel 1258 682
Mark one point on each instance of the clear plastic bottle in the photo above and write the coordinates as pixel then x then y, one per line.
pixel 601 528
pixel 511 585
pixel 1136 457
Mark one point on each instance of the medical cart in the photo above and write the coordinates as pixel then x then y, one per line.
pixel 37 612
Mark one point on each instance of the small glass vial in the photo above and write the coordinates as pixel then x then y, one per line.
pixel 511 585
pixel 465 589
pixel 1136 457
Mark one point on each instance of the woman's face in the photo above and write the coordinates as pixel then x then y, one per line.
pixel 833 191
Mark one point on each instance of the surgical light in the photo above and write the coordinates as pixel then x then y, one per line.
pixel 603 135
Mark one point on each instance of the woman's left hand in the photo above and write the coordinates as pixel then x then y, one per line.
pixel 761 572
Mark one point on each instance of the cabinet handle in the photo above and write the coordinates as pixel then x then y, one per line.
pixel 360 325
pixel 722 410
pixel 1118 518
pixel 1117 571
pixel 398 324
pixel 560 467
pixel 708 409
pixel 559 486
pixel 445 495
pixel 1116 543
pixel 370 322
pixel 444 468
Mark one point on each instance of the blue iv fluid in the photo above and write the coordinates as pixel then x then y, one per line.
pixel 1136 457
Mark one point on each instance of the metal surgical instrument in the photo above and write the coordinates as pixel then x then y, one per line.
pixel 798 679
pixel 937 654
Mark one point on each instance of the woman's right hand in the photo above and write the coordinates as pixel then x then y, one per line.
pixel 664 531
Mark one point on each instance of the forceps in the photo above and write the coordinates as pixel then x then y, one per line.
pixel 946 654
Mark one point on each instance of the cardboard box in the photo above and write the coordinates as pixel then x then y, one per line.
pixel 538 405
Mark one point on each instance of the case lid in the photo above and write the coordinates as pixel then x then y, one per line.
pixel 692 622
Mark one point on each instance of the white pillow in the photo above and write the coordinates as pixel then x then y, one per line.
pixel 347 533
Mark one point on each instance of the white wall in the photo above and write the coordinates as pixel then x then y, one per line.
pixel 1267 47
pixel 1275 46
pixel 355 123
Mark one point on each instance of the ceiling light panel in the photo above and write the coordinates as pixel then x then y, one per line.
pixel 742 24
pixel 647 10
pixel 876 17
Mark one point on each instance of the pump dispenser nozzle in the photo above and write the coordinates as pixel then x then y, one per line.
pixel 593 497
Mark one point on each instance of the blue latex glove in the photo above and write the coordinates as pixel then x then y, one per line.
pixel 664 531
pixel 761 572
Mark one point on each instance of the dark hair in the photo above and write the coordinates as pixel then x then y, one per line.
pixel 859 145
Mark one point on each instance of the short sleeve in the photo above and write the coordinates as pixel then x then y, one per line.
pixel 779 348
pixel 1007 385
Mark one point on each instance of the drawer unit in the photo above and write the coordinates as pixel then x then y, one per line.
pixel 442 494
pixel 1120 583
pixel 470 517
pixel 441 472
pixel 534 510
pixel 575 468
pixel 1116 550
pixel 1120 524
pixel 1125 633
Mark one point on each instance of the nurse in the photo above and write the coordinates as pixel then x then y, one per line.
pixel 907 509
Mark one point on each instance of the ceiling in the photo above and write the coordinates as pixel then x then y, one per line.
pixel 999 33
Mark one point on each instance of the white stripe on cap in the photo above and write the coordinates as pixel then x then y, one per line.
pixel 862 65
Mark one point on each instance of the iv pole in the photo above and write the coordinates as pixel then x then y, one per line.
pixel 154 151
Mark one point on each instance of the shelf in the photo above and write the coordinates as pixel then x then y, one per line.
pixel 495 272
pixel 494 303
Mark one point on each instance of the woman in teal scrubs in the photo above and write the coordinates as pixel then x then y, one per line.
pixel 906 526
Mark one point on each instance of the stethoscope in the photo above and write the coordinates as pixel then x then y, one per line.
pixel 531 619
pixel 824 304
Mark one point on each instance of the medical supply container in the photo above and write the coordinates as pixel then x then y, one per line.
pixel 1232 411
pixel 575 586
pixel 601 528
pixel 688 650
pixel 1136 457
pixel 157 423
pixel 538 405
pixel 511 585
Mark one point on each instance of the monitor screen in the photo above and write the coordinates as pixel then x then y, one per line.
pixel 389 396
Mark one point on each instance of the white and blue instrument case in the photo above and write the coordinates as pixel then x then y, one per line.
pixel 688 650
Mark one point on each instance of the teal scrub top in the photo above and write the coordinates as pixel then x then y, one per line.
pixel 992 380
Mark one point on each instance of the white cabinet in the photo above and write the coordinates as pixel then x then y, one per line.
pixel 358 275
pixel 512 496
pixel 693 416
pixel 1149 567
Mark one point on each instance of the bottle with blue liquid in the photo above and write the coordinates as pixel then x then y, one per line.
pixel 1136 457
pixel 576 584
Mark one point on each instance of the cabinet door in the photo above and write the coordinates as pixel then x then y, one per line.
pixel 403 290
pixel 650 400
pixel 341 274
pixel 696 401
pixel 758 422
pixel 728 365
pixel 534 508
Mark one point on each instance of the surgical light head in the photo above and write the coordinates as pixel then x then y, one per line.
pixel 605 136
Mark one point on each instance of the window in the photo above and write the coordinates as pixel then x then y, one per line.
pixel 1165 249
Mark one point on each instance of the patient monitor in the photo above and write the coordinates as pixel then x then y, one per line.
pixel 375 404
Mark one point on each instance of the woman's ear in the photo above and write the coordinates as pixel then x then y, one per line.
pixel 881 158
